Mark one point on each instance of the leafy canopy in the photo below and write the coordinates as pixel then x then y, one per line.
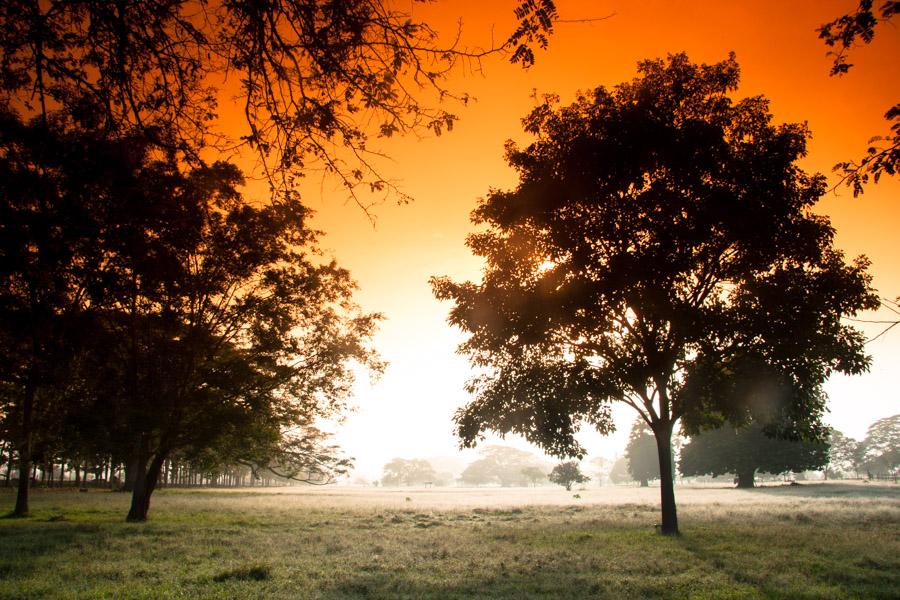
pixel 881 448
pixel 206 324
pixel 500 464
pixel 660 249
pixel 567 473
pixel 747 450
pixel 883 154
pixel 643 459
pixel 312 79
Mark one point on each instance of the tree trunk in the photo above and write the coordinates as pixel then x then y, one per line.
pixel 745 478
pixel 146 478
pixel 25 465
pixel 132 471
pixel 645 483
pixel 21 508
pixel 663 435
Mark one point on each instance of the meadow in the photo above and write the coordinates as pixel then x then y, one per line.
pixel 809 541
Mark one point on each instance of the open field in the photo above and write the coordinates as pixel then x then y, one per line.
pixel 810 541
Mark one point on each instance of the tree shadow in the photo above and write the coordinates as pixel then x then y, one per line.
pixel 501 585
pixel 27 541
pixel 830 490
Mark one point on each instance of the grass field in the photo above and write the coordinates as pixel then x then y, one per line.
pixel 812 541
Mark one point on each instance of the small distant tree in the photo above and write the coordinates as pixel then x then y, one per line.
pixel 641 453
pixel 748 450
pixel 566 474
pixel 881 448
pixel 401 471
pixel 534 475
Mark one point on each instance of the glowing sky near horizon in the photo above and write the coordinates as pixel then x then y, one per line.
pixel 409 412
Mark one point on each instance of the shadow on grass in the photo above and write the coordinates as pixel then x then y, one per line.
pixel 11 516
pixel 502 585
pixel 831 490
pixel 25 542
pixel 775 567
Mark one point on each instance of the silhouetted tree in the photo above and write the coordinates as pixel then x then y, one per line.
pixel 210 320
pixel 48 258
pixel 567 474
pixel 747 450
pixel 658 250
pixel 314 78
pixel 235 326
pixel 883 154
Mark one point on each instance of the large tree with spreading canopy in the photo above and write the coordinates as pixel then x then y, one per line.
pixel 659 250
pixel 747 450
pixel 172 314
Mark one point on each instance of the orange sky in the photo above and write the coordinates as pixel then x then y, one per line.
pixel 409 412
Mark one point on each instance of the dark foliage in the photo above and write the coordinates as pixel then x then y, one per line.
pixel 659 250
pixel 314 78
pixel 882 157
pixel 747 450
pixel 206 325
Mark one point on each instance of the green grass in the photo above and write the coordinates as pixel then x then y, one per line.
pixel 810 542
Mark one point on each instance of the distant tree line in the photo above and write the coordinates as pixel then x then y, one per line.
pixel 746 453
pixel 60 471
pixel 876 456
pixel 498 466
